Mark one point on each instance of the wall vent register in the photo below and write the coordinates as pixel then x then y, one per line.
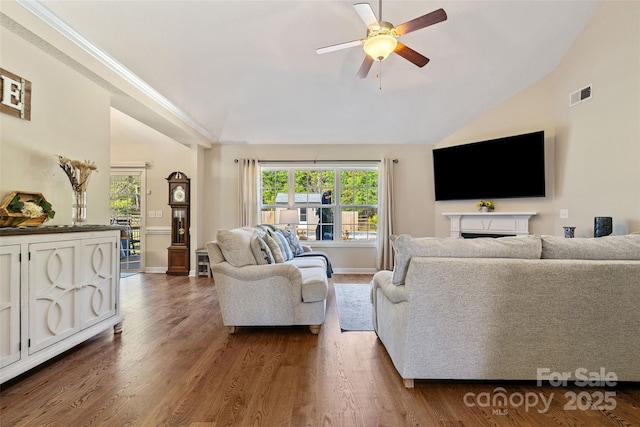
pixel 580 95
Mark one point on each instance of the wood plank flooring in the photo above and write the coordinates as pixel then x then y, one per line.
pixel 176 365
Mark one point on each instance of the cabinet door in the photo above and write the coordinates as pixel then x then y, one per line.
pixel 54 281
pixel 9 304
pixel 99 280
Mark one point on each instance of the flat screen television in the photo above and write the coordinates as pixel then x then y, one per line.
pixel 508 167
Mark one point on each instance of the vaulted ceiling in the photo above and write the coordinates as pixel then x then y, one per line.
pixel 248 71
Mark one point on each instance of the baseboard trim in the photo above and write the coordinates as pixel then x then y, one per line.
pixel 155 270
pixel 355 271
pixel 157 230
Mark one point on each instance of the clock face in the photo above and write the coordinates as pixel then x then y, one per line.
pixel 179 194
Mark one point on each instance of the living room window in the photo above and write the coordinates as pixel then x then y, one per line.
pixel 334 204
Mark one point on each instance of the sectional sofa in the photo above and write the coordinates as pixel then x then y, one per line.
pixel 510 308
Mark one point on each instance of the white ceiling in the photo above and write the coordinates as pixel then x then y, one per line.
pixel 248 70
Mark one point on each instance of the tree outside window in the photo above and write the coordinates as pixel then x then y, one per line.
pixel 124 196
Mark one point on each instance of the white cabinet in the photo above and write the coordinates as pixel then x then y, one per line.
pixel 68 283
pixel 9 304
pixel 53 288
pixel 99 280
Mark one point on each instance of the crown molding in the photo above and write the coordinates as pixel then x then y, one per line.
pixel 47 16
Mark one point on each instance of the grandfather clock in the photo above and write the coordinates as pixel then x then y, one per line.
pixel 179 257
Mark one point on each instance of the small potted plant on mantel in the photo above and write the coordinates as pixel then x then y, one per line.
pixel 485 205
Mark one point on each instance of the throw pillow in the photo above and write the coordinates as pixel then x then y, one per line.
pixel 261 250
pixel 275 237
pixel 259 231
pixel 272 242
pixel 236 246
pixel 267 227
pixel 625 247
pixel 293 241
pixel 285 246
pixel 407 247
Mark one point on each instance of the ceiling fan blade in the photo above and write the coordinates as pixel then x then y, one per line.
pixel 421 22
pixel 339 46
pixel 365 67
pixel 411 55
pixel 366 14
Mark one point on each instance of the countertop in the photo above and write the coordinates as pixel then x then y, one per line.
pixel 52 229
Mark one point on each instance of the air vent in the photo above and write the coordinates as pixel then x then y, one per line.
pixel 579 96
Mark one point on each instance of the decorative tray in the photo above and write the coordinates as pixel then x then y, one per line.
pixel 12 219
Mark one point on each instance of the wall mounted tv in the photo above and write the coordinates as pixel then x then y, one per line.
pixel 500 168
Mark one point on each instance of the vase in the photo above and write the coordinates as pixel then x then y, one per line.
pixel 569 232
pixel 484 209
pixel 602 226
pixel 79 208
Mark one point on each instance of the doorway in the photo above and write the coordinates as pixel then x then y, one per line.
pixel 126 203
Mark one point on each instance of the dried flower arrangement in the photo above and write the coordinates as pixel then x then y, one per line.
pixel 78 172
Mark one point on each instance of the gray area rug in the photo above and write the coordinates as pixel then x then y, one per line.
pixel 354 306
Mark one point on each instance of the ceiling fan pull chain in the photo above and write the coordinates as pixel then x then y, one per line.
pixel 380 75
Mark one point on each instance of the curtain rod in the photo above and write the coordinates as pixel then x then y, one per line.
pixel 318 161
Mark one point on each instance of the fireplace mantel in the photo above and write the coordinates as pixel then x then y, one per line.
pixel 502 223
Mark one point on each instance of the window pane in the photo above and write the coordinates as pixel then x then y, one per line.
pixel 372 196
pixel 268 216
pixel 372 177
pixel 310 184
pixel 359 223
pixel 324 225
pixel 356 186
pixel 319 224
pixel 305 229
pixel 124 196
pixel 347 192
pixel 275 187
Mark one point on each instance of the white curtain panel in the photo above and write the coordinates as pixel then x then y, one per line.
pixel 384 257
pixel 248 175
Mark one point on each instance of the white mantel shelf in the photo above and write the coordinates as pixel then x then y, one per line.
pixel 507 223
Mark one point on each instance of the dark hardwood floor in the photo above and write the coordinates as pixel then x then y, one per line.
pixel 176 364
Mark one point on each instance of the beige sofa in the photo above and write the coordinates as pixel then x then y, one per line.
pixel 258 286
pixel 503 309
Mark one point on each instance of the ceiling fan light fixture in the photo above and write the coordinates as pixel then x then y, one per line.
pixel 380 46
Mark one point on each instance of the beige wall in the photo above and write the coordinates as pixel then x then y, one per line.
pixel 69 116
pixel 413 185
pixel 136 143
pixel 598 141
pixel 593 148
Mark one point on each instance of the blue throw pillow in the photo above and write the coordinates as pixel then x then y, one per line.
pixel 293 241
pixel 287 249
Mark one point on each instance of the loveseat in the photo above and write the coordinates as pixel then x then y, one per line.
pixel 265 277
pixel 512 308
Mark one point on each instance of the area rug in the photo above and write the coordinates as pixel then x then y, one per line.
pixel 354 306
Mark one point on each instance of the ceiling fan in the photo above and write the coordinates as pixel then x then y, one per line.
pixel 382 37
